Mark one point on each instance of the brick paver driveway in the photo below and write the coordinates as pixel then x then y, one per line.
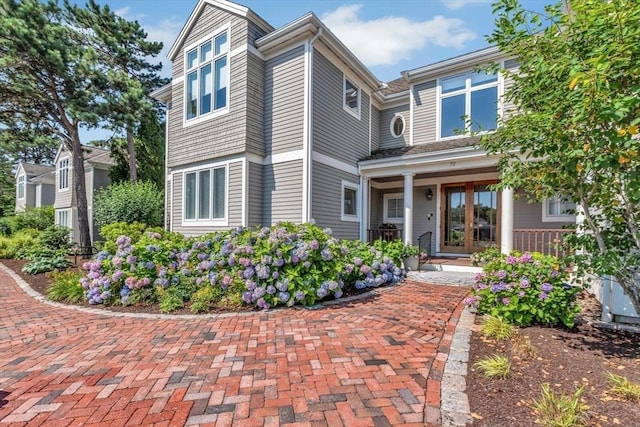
pixel 376 361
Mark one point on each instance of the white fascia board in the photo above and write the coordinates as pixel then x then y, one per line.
pixel 429 72
pixel 162 94
pixel 221 4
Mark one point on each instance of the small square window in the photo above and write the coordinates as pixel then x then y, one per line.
pixel 351 98
pixel 558 209
pixel 393 208
pixel 349 201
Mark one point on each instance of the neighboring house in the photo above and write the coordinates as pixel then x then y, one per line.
pixel 34 186
pixel 266 125
pixel 97 162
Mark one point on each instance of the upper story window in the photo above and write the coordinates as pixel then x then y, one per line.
pixel 393 208
pixel 22 179
pixel 468 103
pixel 205 194
pixel 351 98
pixel 558 209
pixel 63 174
pixel 349 201
pixel 207 76
pixel 62 217
pixel 397 126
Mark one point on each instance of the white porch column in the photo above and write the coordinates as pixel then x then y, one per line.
pixel 506 229
pixel 363 209
pixel 408 208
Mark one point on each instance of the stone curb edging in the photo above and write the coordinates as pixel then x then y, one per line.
pixel 454 406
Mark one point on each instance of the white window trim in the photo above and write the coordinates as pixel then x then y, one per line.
pixel 22 183
pixel 196 45
pixel 385 210
pixel 467 91
pixel 393 120
pixel 554 218
pixel 356 188
pixel 218 222
pixel 345 107
pixel 59 174
pixel 59 212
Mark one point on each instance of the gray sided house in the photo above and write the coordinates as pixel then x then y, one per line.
pixel 267 125
pixel 97 162
pixel 34 186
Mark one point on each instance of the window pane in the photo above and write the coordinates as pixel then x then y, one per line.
pixel 190 196
pixel 484 109
pixel 192 95
pixel 349 205
pixel 482 77
pixel 558 206
pixel 205 89
pixel 453 83
pixel 221 83
pixel 204 194
pixel 395 208
pixel 219 186
pixel 206 54
pixel 192 59
pixel 350 95
pixel 452 113
pixel 221 44
pixel 398 126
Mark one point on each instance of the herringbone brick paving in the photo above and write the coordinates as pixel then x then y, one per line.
pixel 376 361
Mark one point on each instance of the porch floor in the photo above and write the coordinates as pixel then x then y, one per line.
pixel 461 264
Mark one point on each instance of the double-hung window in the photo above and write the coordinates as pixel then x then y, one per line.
pixel 351 97
pixel 207 77
pixel 349 202
pixel 393 208
pixel 468 103
pixel 63 174
pixel 205 194
pixel 21 186
pixel 558 209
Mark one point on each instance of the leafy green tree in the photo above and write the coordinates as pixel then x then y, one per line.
pixel 575 129
pixel 7 188
pixel 129 202
pixel 59 69
pixel 28 144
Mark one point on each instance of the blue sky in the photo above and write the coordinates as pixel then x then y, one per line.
pixel 388 36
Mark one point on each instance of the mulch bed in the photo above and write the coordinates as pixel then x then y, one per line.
pixel 566 359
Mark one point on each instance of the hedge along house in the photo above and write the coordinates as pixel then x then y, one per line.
pixel 34 186
pixel 266 125
pixel 97 163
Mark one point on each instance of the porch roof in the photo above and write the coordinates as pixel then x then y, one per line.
pixel 422 148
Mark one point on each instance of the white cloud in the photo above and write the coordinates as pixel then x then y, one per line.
pixel 459 4
pixel 385 41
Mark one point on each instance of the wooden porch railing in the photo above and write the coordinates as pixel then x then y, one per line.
pixel 546 241
pixel 374 234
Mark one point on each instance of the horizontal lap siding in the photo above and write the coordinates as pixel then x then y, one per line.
pixel 255 105
pixel 375 128
pixel 282 192
pixel 255 194
pixel 509 107
pixel 225 134
pixel 327 200
pixel 424 112
pixel 47 196
pixel 529 215
pixel 234 209
pixel 284 102
pixel 386 139
pixel 337 133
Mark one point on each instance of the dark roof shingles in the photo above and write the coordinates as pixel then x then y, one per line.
pixel 422 148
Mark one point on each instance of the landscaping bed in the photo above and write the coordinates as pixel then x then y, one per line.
pixel 564 358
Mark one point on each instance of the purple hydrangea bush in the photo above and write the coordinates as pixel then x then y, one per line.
pixel 524 289
pixel 285 264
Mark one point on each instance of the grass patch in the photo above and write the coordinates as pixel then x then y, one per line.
pixel 558 410
pixel 496 366
pixel 497 328
pixel 623 388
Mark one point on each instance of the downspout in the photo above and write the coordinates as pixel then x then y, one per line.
pixel 309 148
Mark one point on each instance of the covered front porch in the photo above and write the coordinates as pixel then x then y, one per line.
pixel 451 197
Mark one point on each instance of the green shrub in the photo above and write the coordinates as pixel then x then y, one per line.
pixel 55 237
pixel 622 387
pixel 494 327
pixel 393 249
pixel 169 299
pixel 129 202
pixel 202 299
pixel 489 254
pixel 33 218
pixel 525 288
pixel 496 366
pixel 17 245
pixel 66 287
pixel 5 226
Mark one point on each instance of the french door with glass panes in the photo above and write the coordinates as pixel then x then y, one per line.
pixel 470 219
